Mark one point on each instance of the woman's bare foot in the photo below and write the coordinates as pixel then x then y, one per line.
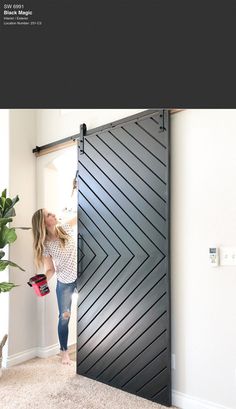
pixel 65 358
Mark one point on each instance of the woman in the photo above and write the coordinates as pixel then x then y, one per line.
pixel 55 250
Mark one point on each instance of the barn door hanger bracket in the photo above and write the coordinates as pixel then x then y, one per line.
pixel 81 137
pixel 162 121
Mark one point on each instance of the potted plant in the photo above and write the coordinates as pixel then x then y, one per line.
pixel 7 236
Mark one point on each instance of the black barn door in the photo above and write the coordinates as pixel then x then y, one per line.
pixel 123 264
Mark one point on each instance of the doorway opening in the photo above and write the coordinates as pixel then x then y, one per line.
pixel 56 193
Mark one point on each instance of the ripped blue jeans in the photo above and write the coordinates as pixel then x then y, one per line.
pixel 64 298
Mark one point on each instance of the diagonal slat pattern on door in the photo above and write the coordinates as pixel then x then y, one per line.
pixel 124 307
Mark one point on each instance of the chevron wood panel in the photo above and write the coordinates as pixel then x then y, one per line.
pixel 123 257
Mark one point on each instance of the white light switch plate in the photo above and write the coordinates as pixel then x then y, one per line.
pixel 228 256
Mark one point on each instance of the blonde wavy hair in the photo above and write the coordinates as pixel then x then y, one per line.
pixel 39 235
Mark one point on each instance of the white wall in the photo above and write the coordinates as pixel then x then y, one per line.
pixel 22 301
pixel 203 203
pixel 55 124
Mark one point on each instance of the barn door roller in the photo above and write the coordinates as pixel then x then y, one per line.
pixel 162 122
pixel 81 137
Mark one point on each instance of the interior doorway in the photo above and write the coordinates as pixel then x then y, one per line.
pixel 56 172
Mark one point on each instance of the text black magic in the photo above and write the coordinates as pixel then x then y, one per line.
pixel 18 13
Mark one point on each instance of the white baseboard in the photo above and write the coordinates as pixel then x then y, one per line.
pixel 46 352
pixel 41 352
pixel 20 357
pixel 183 401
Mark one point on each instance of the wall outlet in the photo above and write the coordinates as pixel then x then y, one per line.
pixel 214 256
pixel 228 256
pixel 172 361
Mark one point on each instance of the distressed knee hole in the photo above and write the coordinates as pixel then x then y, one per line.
pixel 66 315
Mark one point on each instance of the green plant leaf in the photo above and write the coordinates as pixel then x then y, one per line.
pixel 2 204
pixel 15 200
pixel 2 201
pixel 2 254
pixel 4 286
pixel 5 263
pixel 9 206
pixel 7 236
pixel 4 193
pixel 9 213
pixel 8 209
pixel 5 220
pixel 8 202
